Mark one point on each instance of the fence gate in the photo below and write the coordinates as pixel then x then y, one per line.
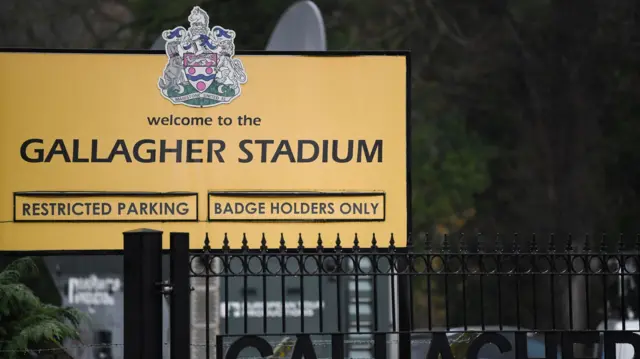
pixel 459 297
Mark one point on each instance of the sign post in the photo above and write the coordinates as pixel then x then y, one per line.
pixel 142 304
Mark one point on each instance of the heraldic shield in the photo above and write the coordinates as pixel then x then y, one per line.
pixel 200 69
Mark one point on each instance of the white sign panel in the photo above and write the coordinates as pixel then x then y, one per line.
pixel 93 290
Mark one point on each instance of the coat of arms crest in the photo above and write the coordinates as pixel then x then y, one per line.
pixel 201 71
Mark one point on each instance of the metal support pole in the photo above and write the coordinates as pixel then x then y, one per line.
pixel 404 308
pixel 142 300
pixel 180 316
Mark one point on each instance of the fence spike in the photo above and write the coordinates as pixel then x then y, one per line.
pixel 621 246
pixel 427 242
pixel 392 242
pixel 552 243
pixel 263 243
pixel 463 243
pixel 225 243
pixel 569 246
pixel 445 243
pixel 245 243
pixel 338 243
pixel 283 245
pixel 374 243
pixel 533 245
pixel 603 243
pixel 300 243
pixel 356 243
pixel 516 245
pixel 319 246
pixel 499 244
pixel 587 243
pixel 207 246
pixel 480 244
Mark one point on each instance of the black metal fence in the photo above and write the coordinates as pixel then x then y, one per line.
pixel 415 302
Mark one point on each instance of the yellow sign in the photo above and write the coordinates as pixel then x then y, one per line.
pixel 93 145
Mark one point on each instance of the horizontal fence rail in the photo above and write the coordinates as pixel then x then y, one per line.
pixel 353 295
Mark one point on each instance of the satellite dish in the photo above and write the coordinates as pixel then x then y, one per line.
pixel 158 44
pixel 300 28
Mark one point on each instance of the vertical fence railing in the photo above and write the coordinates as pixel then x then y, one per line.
pixel 343 301
pixel 180 302
pixel 461 284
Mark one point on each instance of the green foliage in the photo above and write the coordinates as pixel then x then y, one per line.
pixel 449 167
pixel 460 345
pixel 284 348
pixel 25 322
pixel 449 160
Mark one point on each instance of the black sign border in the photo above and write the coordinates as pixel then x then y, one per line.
pixel 72 194
pixel 330 53
pixel 266 194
